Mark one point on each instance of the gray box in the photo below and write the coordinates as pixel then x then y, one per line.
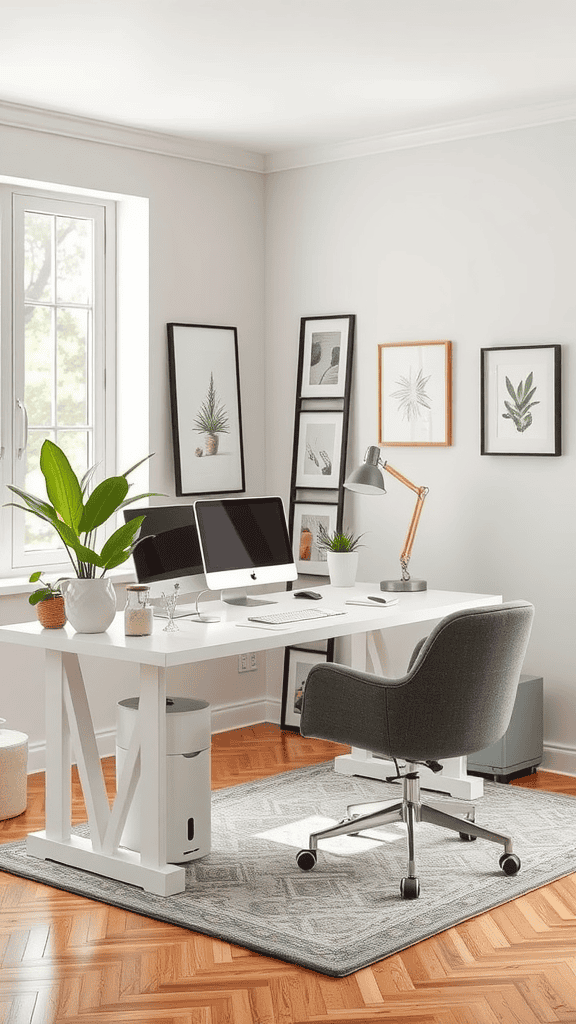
pixel 521 747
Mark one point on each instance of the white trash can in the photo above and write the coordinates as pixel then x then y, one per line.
pixel 13 772
pixel 188 739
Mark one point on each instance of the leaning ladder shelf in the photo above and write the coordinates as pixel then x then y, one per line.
pixel 321 420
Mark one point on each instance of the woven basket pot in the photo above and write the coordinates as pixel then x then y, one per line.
pixel 51 612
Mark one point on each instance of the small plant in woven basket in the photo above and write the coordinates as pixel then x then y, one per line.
pixel 49 602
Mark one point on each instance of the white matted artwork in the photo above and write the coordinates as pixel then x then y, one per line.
pixel 319 449
pixel 325 346
pixel 296 668
pixel 206 417
pixel 415 393
pixel 520 400
pixel 309 519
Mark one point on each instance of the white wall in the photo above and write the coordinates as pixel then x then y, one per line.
pixel 471 241
pixel 206 266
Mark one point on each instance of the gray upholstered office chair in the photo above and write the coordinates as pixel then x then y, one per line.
pixel 456 698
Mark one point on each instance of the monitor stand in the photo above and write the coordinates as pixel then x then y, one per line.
pixel 238 596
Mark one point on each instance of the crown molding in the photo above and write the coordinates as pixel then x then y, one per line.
pixel 450 131
pixel 16 115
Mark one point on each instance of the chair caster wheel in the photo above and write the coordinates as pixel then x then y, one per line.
pixel 410 888
pixel 306 859
pixel 510 863
pixel 466 838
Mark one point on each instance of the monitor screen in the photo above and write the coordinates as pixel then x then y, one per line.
pixel 169 552
pixel 244 542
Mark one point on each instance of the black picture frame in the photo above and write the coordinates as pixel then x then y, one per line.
pixel 320 451
pixel 325 355
pixel 520 400
pixel 296 661
pixel 205 389
pixel 308 519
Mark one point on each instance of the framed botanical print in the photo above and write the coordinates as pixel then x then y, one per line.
pixel 415 393
pixel 309 519
pixel 319 454
pixel 325 350
pixel 297 664
pixel 520 397
pixel 206 416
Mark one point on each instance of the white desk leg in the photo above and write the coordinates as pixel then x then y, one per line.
pixel 100 853
pixel 58 759
pixel 152 721
pixel 454 778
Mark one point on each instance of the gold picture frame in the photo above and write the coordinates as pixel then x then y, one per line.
pixel 415 393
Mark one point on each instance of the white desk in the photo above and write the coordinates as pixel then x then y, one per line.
pixel 69 723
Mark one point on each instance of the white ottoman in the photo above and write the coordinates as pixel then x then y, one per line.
pixel 13 772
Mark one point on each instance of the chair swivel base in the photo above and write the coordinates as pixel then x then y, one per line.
pixel 409 810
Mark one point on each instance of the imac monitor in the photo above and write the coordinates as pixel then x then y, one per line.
pixel 169 552
pixel 244 542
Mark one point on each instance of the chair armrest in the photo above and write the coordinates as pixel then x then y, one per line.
pixel 346 706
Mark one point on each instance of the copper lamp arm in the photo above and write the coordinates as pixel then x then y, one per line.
pixel 421 493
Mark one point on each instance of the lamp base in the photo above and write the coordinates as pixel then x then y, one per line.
pixel 403 586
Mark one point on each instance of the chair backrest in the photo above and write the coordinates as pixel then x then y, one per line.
pixel 459 694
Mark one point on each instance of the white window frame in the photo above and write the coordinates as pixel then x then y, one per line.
pixel 13 201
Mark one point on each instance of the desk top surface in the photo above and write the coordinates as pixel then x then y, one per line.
pixel 195 641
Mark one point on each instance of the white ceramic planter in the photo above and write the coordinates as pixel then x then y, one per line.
pixel 342 567
pixel 90 604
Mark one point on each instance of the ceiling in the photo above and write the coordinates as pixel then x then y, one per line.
pixel 272 75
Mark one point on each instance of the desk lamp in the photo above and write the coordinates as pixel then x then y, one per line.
pixel 368 479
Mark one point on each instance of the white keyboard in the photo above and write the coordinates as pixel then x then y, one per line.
pixel 278 618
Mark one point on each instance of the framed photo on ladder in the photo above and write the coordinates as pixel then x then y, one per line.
pixel 297 663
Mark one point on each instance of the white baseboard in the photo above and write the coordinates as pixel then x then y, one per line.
pixel 224 717
pixel 252 712
pixel 559 759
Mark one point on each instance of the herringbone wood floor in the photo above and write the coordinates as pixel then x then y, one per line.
pixel 68 960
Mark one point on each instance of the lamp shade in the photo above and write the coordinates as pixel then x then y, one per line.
pixel 368 478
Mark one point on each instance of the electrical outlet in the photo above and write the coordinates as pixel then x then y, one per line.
pixel 247 662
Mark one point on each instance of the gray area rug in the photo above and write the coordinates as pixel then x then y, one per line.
pixel 347 913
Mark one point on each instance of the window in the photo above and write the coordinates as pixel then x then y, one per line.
pixel 56 347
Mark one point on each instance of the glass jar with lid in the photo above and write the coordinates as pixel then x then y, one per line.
pixel 138 613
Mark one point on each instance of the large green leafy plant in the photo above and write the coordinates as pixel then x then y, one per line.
pixel 76 514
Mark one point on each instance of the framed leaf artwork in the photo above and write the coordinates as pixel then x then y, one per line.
pixel 205 401
pixel 520 398
pixel 415 393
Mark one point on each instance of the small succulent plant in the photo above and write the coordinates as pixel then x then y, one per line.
pixel 518 408
pixel 339 540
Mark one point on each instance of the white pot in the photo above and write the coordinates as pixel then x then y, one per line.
pixel 90 604
pixel 343 567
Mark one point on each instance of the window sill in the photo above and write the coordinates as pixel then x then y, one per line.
pixel 21 585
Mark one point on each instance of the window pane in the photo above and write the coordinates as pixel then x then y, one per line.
pixel 73 260
pixel 75 445
pixel 38 535
pixel 39 365
pixel 38 271
pixel 72 346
